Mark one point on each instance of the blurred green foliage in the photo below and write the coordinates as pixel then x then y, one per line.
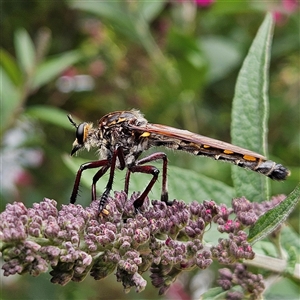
pixel 175 61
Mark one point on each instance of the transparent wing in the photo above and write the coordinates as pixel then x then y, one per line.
pixel 185 135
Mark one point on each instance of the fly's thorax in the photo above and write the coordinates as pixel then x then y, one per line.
pixel 134 117
pixel 131 154
pixel 139 119
pixel 104 153
pixel 115 131
pixel 136 150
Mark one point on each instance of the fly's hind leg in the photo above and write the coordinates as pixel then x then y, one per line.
pixel 150 170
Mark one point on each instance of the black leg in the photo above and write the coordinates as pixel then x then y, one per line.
pixel 127 178
pixel 149 170
pixel 118 153
pixel 96 177
pixel 89 165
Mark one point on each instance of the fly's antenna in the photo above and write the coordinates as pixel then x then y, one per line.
pixel 71 120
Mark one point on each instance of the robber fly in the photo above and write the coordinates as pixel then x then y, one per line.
pixel 122 136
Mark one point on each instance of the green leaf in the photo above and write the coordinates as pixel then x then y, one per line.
pixel 8 63
pixel 289 238
pixel 25 51
pixel 235 8
pixel 284 288
pixel 250 111
pixel 292 260
pixel 222 55
pixel 11 98
pixel 115 12
pixel 216 293
pixel 50 114
pixel 151 9
pixel 128 19
pixel 191 63
pixel 273 218
pixel 193 187
pixel 53 67
pixel 120 14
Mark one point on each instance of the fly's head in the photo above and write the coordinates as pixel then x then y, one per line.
pixel 85 135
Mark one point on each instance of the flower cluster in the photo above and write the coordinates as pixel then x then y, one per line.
pixel 165 239
pixel 251 284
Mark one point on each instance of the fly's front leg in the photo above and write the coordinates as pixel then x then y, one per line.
pixel 150 170
pixel 118 153
pixel 97 176
pixel 89 165
pixel 127 178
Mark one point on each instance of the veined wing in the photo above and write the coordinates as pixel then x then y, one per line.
pixel 199 140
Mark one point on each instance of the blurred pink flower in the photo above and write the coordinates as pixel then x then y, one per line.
pixel 72 71
pixel 204 3
pixel 177 291
pixel 23 178
pixel 97 68
pixel 290 5
pixel 277 15
pixel 285 8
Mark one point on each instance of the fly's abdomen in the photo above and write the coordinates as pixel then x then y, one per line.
pixel 266 167
pixel 248 160
pixel 214 149
pixel 271 169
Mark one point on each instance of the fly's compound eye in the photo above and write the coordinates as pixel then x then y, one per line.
pixel 80 133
